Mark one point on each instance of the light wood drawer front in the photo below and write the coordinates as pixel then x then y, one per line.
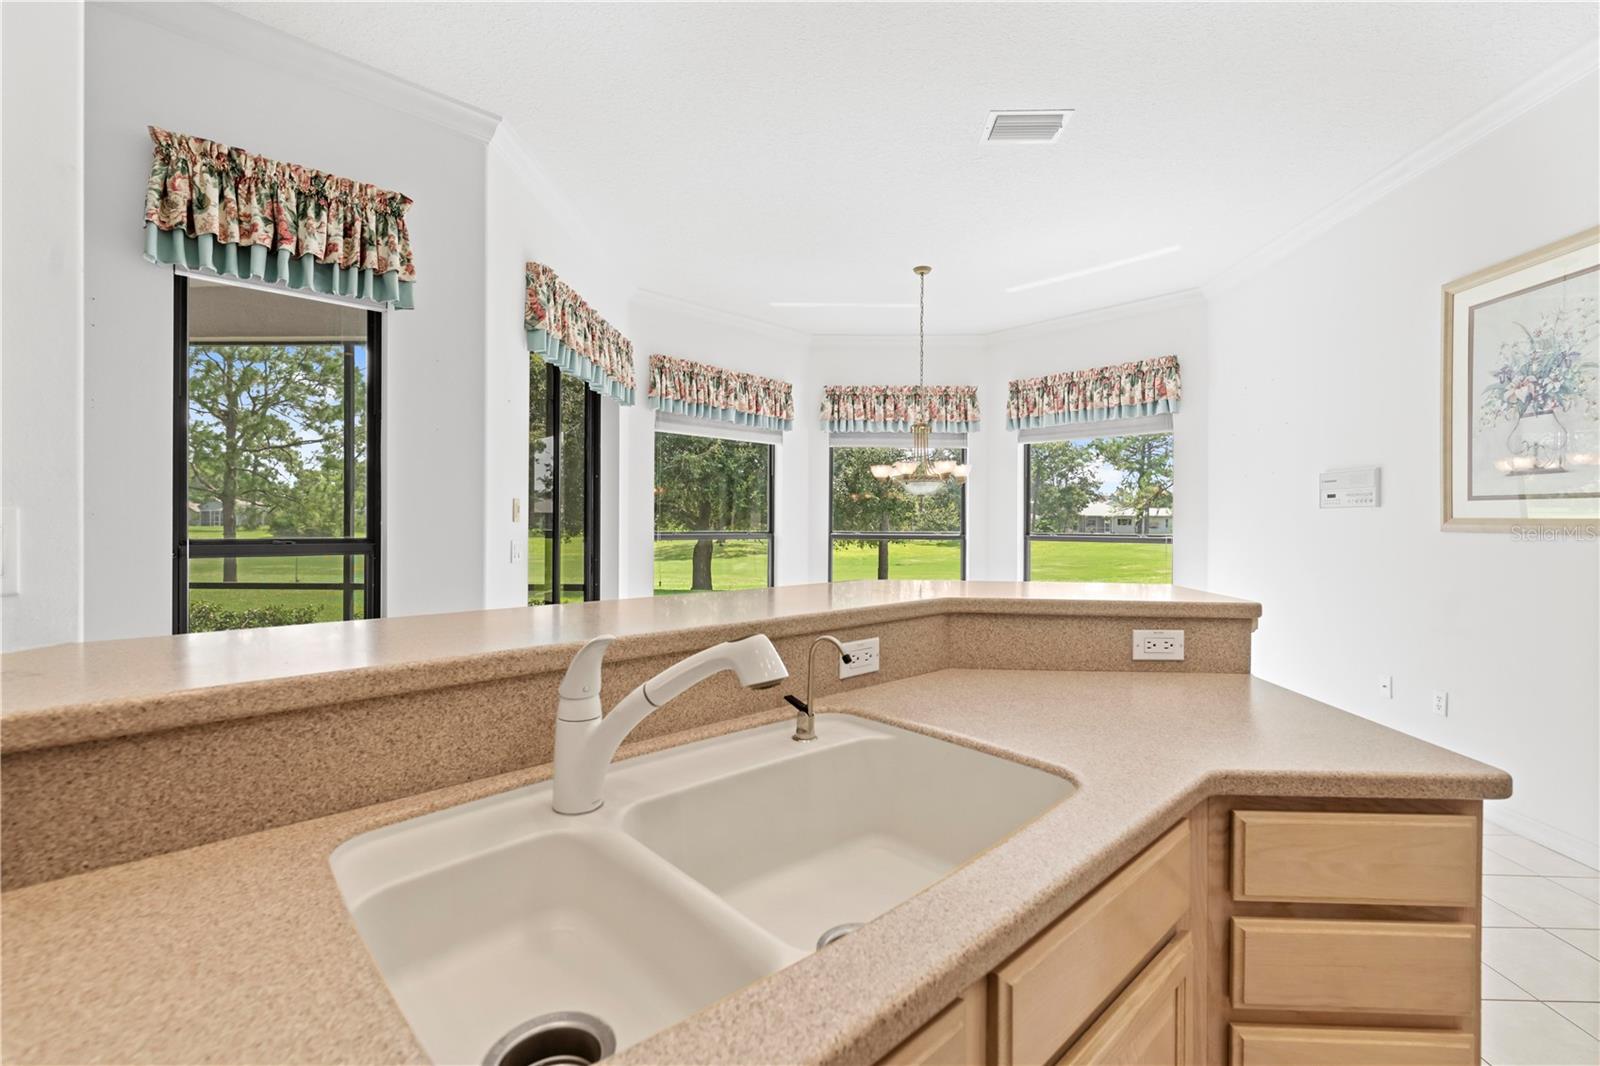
pixel 1292 1045
pixel 1329 857
pixel 1150 1023
pixel 1047 991
pixel 954 1038
pixel 1391 967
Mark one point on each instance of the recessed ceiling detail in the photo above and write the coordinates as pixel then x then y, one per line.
pixel 1098 268
pixel 1039 126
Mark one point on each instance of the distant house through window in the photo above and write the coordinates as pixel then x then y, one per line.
pixel 276 459
pixel 1099 509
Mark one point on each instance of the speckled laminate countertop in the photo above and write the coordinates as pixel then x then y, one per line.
pixel 73 693
pixel 241 951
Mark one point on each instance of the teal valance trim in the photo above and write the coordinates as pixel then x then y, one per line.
pixel 719 414
pixel 275 266
pixel 548 347
pixel 1099 414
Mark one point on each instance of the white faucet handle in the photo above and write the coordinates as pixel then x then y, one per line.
pixel 582 679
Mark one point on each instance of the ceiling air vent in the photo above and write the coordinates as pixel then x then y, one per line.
pixel 1025 127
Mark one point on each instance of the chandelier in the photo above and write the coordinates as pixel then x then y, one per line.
pixel 922 475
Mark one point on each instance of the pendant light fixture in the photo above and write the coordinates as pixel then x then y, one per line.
pixel 922 475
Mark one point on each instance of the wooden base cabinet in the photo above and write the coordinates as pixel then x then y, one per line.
pixel 1255 932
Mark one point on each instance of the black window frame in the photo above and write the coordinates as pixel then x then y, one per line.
pixel 875 537
pixel 770 536
pixel 369 547
pixel 590 583
pixel 1028 536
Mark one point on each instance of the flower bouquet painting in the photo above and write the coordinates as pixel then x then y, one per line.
pixel 1522 391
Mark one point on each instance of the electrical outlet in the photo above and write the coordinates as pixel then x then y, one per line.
pixel 1386 687
pixel 1441 703
pixel 1161 644
pixel 863 658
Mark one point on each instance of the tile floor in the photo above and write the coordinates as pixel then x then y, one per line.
pixel 1541 954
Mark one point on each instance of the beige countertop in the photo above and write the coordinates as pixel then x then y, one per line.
pixel 241 951
pixel 72 693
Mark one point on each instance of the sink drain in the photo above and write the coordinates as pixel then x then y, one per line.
pixel 837 932
pixel 563 1038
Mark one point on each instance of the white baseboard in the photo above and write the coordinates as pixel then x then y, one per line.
pixel 1585 851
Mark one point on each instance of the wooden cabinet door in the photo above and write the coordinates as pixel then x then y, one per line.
pixel 1326 1045
pixel 954 1038
pixel 1150 1023
pixel 1046 992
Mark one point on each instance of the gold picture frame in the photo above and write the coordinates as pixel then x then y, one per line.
pixel 1562 274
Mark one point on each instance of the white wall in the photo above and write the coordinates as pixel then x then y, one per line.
pixel 1331 357
pixel 434 371
pixel 41 339
pixel 530 220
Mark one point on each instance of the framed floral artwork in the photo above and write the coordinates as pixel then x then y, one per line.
pixel 1522 392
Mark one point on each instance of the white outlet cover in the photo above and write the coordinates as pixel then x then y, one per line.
pixel 1441 704
pixel 1161 645
pixel 1386 686
pixel 863 658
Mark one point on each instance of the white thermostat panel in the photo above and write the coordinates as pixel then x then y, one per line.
pixel 1356 486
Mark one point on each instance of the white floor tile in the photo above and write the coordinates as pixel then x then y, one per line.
pixel 1585 940
pixel 1543 902
pixel 1492 828
pixel 1497 987
pixel 1494 863
pixel 1537 857
pixel 1585 1016
pixel 1542 963
pixel 1532 1034
pixel 1496 916
pixel 1587 887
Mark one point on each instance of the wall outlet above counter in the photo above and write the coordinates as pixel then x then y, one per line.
pixel 1158 644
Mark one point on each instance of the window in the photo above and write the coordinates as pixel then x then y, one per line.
pixel 1099 509
pixel 563 487
pixel 276 459
pixel 881 531
pixel 713 514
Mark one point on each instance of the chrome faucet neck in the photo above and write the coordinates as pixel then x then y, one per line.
pixel 805 720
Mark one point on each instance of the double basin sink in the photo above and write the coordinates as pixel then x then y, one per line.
pixel 710 866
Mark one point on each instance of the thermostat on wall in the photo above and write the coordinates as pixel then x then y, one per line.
pixel 1355 486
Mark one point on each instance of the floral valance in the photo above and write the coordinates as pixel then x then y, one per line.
pixel 214 208
pixel 1126 390
pixel 894 408
pixel 700 390
pixel 566 331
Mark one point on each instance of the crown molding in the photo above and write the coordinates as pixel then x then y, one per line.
pixel 688 308
pixel 507 144
pixel 1530 94
pixel 223 30
pixel 1111 312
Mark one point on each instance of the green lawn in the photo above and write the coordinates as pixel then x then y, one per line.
pixel 290 570
pixel 1076 560
pixel 735 564
pixel 926 560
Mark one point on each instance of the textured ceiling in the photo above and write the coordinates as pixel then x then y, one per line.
pixel 734 155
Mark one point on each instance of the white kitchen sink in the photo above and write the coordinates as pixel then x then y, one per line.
pixel 710 866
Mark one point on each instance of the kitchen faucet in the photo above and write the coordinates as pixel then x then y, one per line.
pixel 805 719
pixel 585 742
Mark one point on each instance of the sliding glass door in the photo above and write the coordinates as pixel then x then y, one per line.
pixel 563 487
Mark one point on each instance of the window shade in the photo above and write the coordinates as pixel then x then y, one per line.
pixel 1100 394
pixel 566 332
pixel 687 389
